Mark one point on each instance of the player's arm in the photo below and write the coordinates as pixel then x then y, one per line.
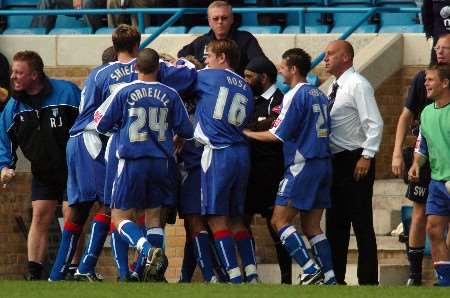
pixel 263 136
pixel 6 146
pixel 179 77
pixel 182 124
pixel 398 164
pixel 420 158
pixel 110 113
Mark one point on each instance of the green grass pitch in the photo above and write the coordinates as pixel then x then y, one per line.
pixel 197 290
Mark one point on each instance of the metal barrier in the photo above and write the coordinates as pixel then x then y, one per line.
pixel 178 12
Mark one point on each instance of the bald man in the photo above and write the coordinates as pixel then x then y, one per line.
pixel 356 131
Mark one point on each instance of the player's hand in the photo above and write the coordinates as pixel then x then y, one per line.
pixel 77 4
pixel 7 175
pixel 398 165
pixel 414 172
pixel 178 143
pixel 3 95
pixel 361 169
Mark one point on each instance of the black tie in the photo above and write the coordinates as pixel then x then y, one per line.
pixel 332 95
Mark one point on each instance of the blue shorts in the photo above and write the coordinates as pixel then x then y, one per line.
pixel 86 168
pixel 438 202
pixel 111 160
pixel 190 197
pixel 224 180
pixel 141 183
pixel 306 185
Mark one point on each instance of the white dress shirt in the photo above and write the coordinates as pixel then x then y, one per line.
pixel 355 119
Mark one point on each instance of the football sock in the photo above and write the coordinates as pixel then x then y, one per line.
pixel 156 237
pixel 284 262
pixel 322 254
pixel 119 249
pixel 132 233
pixel 443 273
pixel 227 253
pixel 221 273
pixel 35 270
pixel 202 254
pixel 296 248
pixel 189 263
pixel 67 247
pixel 247 253
pixel 415 257
pixel 99 232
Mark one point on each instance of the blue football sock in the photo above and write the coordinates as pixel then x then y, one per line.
pixel 322 253
pixel 221 273
pixel 132 233
pixel 120 251
pixel 443 273
pixel 189 263
pixel 67 247
pixel 296 248
pixel 156 237
pixel 227 253
pixel 203 255
pixel 99 232
pixel 244 242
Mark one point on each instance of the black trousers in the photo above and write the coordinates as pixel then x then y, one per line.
pixel 351 204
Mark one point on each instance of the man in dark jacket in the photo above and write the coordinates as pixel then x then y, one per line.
pixel 37 118
pixel 267 164
pixel 220 19
pixel 4 81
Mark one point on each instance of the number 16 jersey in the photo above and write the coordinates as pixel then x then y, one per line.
pixel 225 104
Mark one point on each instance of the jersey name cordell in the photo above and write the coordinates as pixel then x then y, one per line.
pixel 121 72
pixel 237 82
pixel 140 93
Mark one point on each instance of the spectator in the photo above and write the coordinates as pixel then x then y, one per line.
pixel 37 118
pixel 356 131
pixel 47 21
pixel 434 145
pixel 220 19
pixel 266 159
pixel 4 81
pixel 417 191
pixel 116 19
pixel 436 22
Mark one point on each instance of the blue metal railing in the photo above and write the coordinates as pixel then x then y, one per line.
pixel 178 12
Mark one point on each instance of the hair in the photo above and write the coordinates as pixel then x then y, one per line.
pixel 299 58
pixel 216 4
pixel 443 71
pixel 227 47
pixel 125 38
pixel 193 60
pixel 348 49
pixel 109 55
pixel 147 61
pixel 33 60
pixel 167 57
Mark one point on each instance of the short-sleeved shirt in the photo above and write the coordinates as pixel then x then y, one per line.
pixel 147 115
pixel 225 104
pixel 303 124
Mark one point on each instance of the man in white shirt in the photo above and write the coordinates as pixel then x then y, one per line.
pixel 356 132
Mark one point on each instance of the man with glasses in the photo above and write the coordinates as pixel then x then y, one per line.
pixel 417 191
pixel 220 20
